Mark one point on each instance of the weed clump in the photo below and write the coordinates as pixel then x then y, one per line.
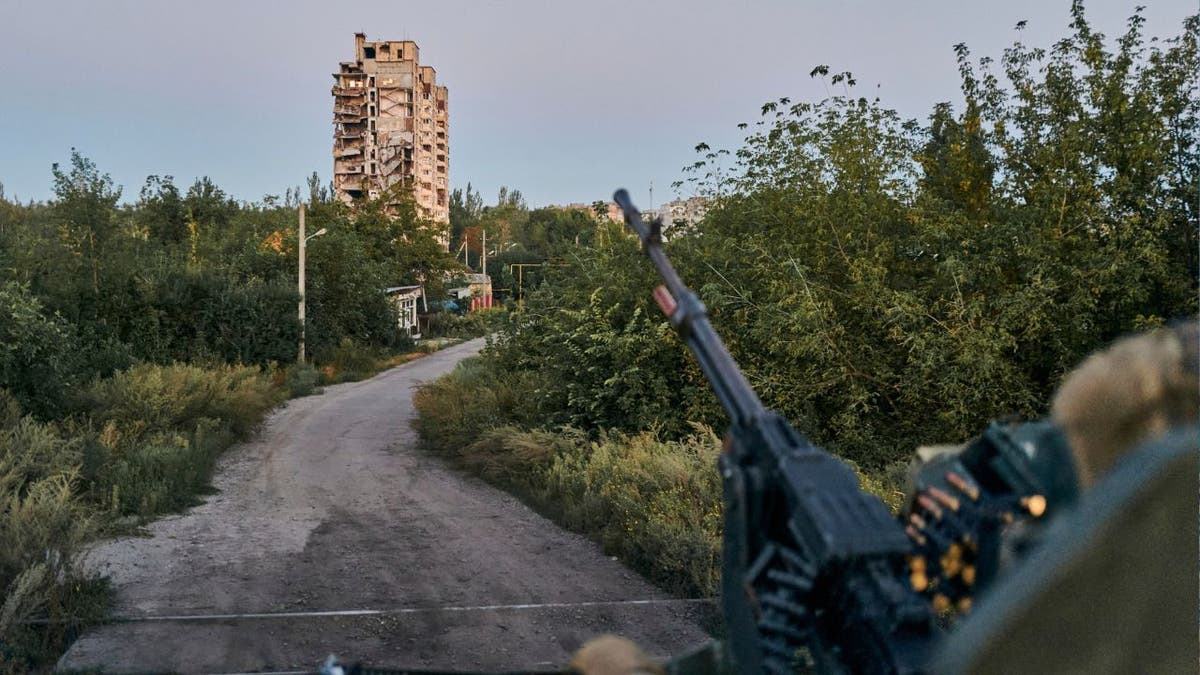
pixel 138 444
pixel 44 524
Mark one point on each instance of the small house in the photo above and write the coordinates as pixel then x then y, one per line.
pixel 405 299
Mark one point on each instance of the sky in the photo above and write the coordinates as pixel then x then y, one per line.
pixel 563 100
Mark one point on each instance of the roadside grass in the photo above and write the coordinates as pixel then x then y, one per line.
pixel 138 444
pixel 655 504
pixel 44 523
pixel 153 433
pixel 350 362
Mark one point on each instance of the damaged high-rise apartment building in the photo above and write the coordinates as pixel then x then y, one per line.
pixel 391 127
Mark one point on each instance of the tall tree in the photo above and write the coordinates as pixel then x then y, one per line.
pixel 161 211
pixel 466 206
pixel 85 205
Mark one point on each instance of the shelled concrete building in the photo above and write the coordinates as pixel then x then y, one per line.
pixel 391 127
pixel 679 212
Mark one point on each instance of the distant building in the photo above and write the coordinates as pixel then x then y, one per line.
pixel 676 212
pixel 391 127
pixel 679 212
pixel 478 288
pixel 611 210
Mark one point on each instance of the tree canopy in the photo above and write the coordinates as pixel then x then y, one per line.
pixel 190 275
pixel 887 283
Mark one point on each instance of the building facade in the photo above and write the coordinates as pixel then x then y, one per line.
pixel 675 213
pixel 391 127
pixel 679 212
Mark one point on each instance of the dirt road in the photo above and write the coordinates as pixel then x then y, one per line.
pixel 341 538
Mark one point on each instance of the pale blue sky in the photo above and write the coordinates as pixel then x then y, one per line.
pixel 563 100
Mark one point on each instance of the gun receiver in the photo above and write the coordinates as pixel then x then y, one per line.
pixel 810 561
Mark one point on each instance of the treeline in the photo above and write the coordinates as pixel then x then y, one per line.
pixel 884 283
pixel 138 341
pixel 89 286
pixel 539 240
pixel 887 284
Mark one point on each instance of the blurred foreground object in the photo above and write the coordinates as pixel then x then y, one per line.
pixel 1132 392
pixel 1115 587
pixel 612 655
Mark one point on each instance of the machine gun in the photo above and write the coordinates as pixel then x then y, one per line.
pixel 810 561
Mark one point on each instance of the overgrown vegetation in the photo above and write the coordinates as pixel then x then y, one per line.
pixel 655 503
pixel 883 283
pixel 181 277
pixel 137 444
pixel 154 432
pixel 469 325
pixel 139 341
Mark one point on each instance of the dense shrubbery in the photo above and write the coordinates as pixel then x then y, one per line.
pixel 155 432
pixel 122 334
pixel 883 284
pixel 466 326
pixel 886 285
pixel 655 503
pixel 43 524
pixel 88 287
pixel 299 380
pixel 38 358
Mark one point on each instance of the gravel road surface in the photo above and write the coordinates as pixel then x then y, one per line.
pixel 339 537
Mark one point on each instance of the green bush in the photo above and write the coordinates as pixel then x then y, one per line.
pixel 164 474
pixel 301 379
pixel 473 324
pixel 457 409
pixel 516 459
pixel 602 358
pixel 149 400
pixel 655 504
pixel 155 432
pixel 37 352
pixel 180 315
pixel 351 361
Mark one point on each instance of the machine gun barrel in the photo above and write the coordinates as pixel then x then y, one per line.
pixel 690 318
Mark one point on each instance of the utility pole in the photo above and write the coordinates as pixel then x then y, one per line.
pixel 484 252
pixel 303 243
pixel 300 238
